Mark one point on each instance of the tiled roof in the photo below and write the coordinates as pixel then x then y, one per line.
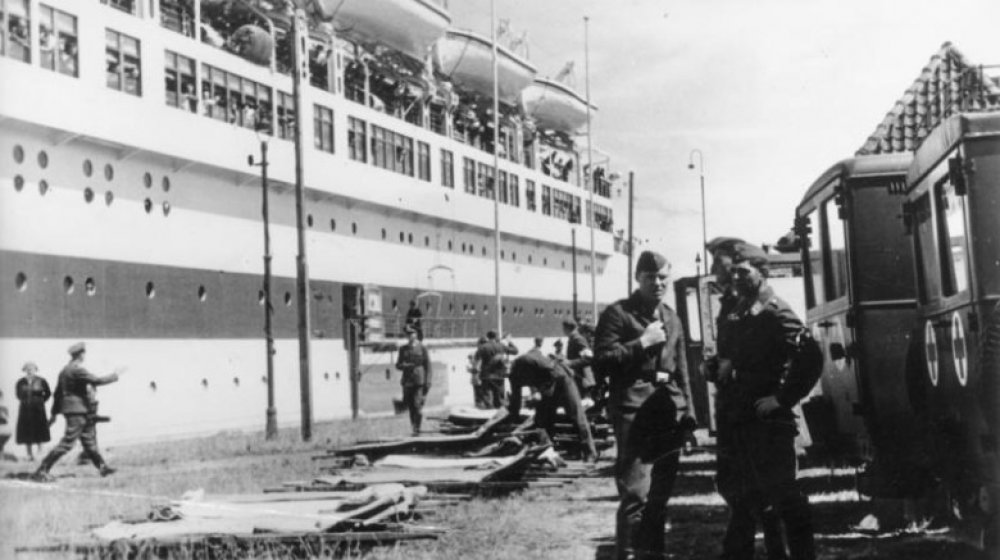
pixel 949 84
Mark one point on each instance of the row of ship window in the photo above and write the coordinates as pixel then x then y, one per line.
pixel 90 289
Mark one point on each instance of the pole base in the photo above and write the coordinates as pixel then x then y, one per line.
pixel 271 429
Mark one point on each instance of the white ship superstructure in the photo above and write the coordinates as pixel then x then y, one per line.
pixel 131 219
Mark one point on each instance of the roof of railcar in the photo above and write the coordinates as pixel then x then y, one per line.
pixel 882 165
pixel 945 136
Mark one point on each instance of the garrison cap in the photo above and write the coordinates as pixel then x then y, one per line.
pixel 723 244
pixel 569 324
pixel 650 261
pixel 751 254
pixel 77 348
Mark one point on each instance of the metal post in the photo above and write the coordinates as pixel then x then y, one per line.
pixel 590 171
pixel 496 171
pixel 271 427
pixel 631 177
pixel 300 37
pixel 572 232
pixel 701 178
pixel 354 364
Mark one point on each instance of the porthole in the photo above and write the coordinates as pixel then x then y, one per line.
pixel 326 376
pixel 409 238
pixel 384 233
pixel 260 297
pixel 148 205
pixel 451 307
pixel 529 259
pixel 204 382
pixel 147 180
pixel 109 171
pixel 395 305
pixel 463 247
pixel 333 224
pixel 165 184
pixel 166 208
pixel 484 250
pixel 150 290
pixel 18 153
pixel 202 293
pixel 503 310
pixel 427 241
pixel 43 159
pixel 288 298
pixel 43 187
pixel 109 197
pixel 152 386
pixel 236 381
pixel 68 285
pixel 354 227
pixel 545 261
pixel 513 256
pixel 502 254
pixel 18 183
pixel 309 220
pixel 402 237
pixel 88 195
pixel 21 281
pixel 564 264
pixel 449 245
pixel 90 286
pixel 88 168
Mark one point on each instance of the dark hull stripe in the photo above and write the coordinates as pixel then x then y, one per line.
pixel 36 301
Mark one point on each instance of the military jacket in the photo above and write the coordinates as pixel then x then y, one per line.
pixel 632 369
pixel 535 370
pixel 492 358
pixel 762 335
pixel 415 362
pixel 75 387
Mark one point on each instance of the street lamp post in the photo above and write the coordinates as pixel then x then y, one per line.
pixel 271 427
pixel 701 177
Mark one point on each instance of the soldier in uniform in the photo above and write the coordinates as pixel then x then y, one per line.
pixel 721 249
pixel 554 382
pixel 767 362
pixel 492 358
pixel 579 355
pixel 639 344
pixel 73 396
pixel 415 363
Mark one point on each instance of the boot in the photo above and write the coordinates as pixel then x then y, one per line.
pixel 107 471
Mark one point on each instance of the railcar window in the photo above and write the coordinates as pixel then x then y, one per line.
pixel 323 128
pixel 834 253
pixel 447 168
pixel 546 200
pixel 951 241
pixel 514 191
pixel 357 139
pixel 469 175
pixel 927 280
pixel 814 279
pixel 529 194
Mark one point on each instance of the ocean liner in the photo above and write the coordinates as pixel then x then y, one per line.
pixel 131 219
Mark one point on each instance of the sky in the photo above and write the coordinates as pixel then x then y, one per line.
pixel 772 93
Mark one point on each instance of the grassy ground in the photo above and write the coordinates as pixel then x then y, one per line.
pixel 571 522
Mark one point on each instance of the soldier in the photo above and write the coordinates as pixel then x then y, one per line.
pixel 580 356
pixel 721 249
pixel 72 394
pixel 639 344
pixel 415 362
pixel 492 358
pixel 554 382
pixel 767 362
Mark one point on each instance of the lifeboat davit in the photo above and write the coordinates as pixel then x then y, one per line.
pixel 410 26
pixel 468 59
pixel 555 106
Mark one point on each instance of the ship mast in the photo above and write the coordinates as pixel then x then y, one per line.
pixel 300 63
pixel 496 170
pixel 589 177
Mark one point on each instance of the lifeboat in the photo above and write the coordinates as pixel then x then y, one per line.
pixel 555 106
pixel 468 59
pixel 409 26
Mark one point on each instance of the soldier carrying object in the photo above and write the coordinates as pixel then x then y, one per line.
pixel 73 401
pixel 492 358
pixel 554 382
pixel 639 345
pixel 719 372
pixel 415 362
pixel 774 364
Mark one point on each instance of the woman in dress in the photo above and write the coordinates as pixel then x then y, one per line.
pixel 32 422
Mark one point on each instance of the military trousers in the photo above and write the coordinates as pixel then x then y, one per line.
pixel 492 391
pixel 565 394
pixel 78 426
pixel 757 473
pixel 414 397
